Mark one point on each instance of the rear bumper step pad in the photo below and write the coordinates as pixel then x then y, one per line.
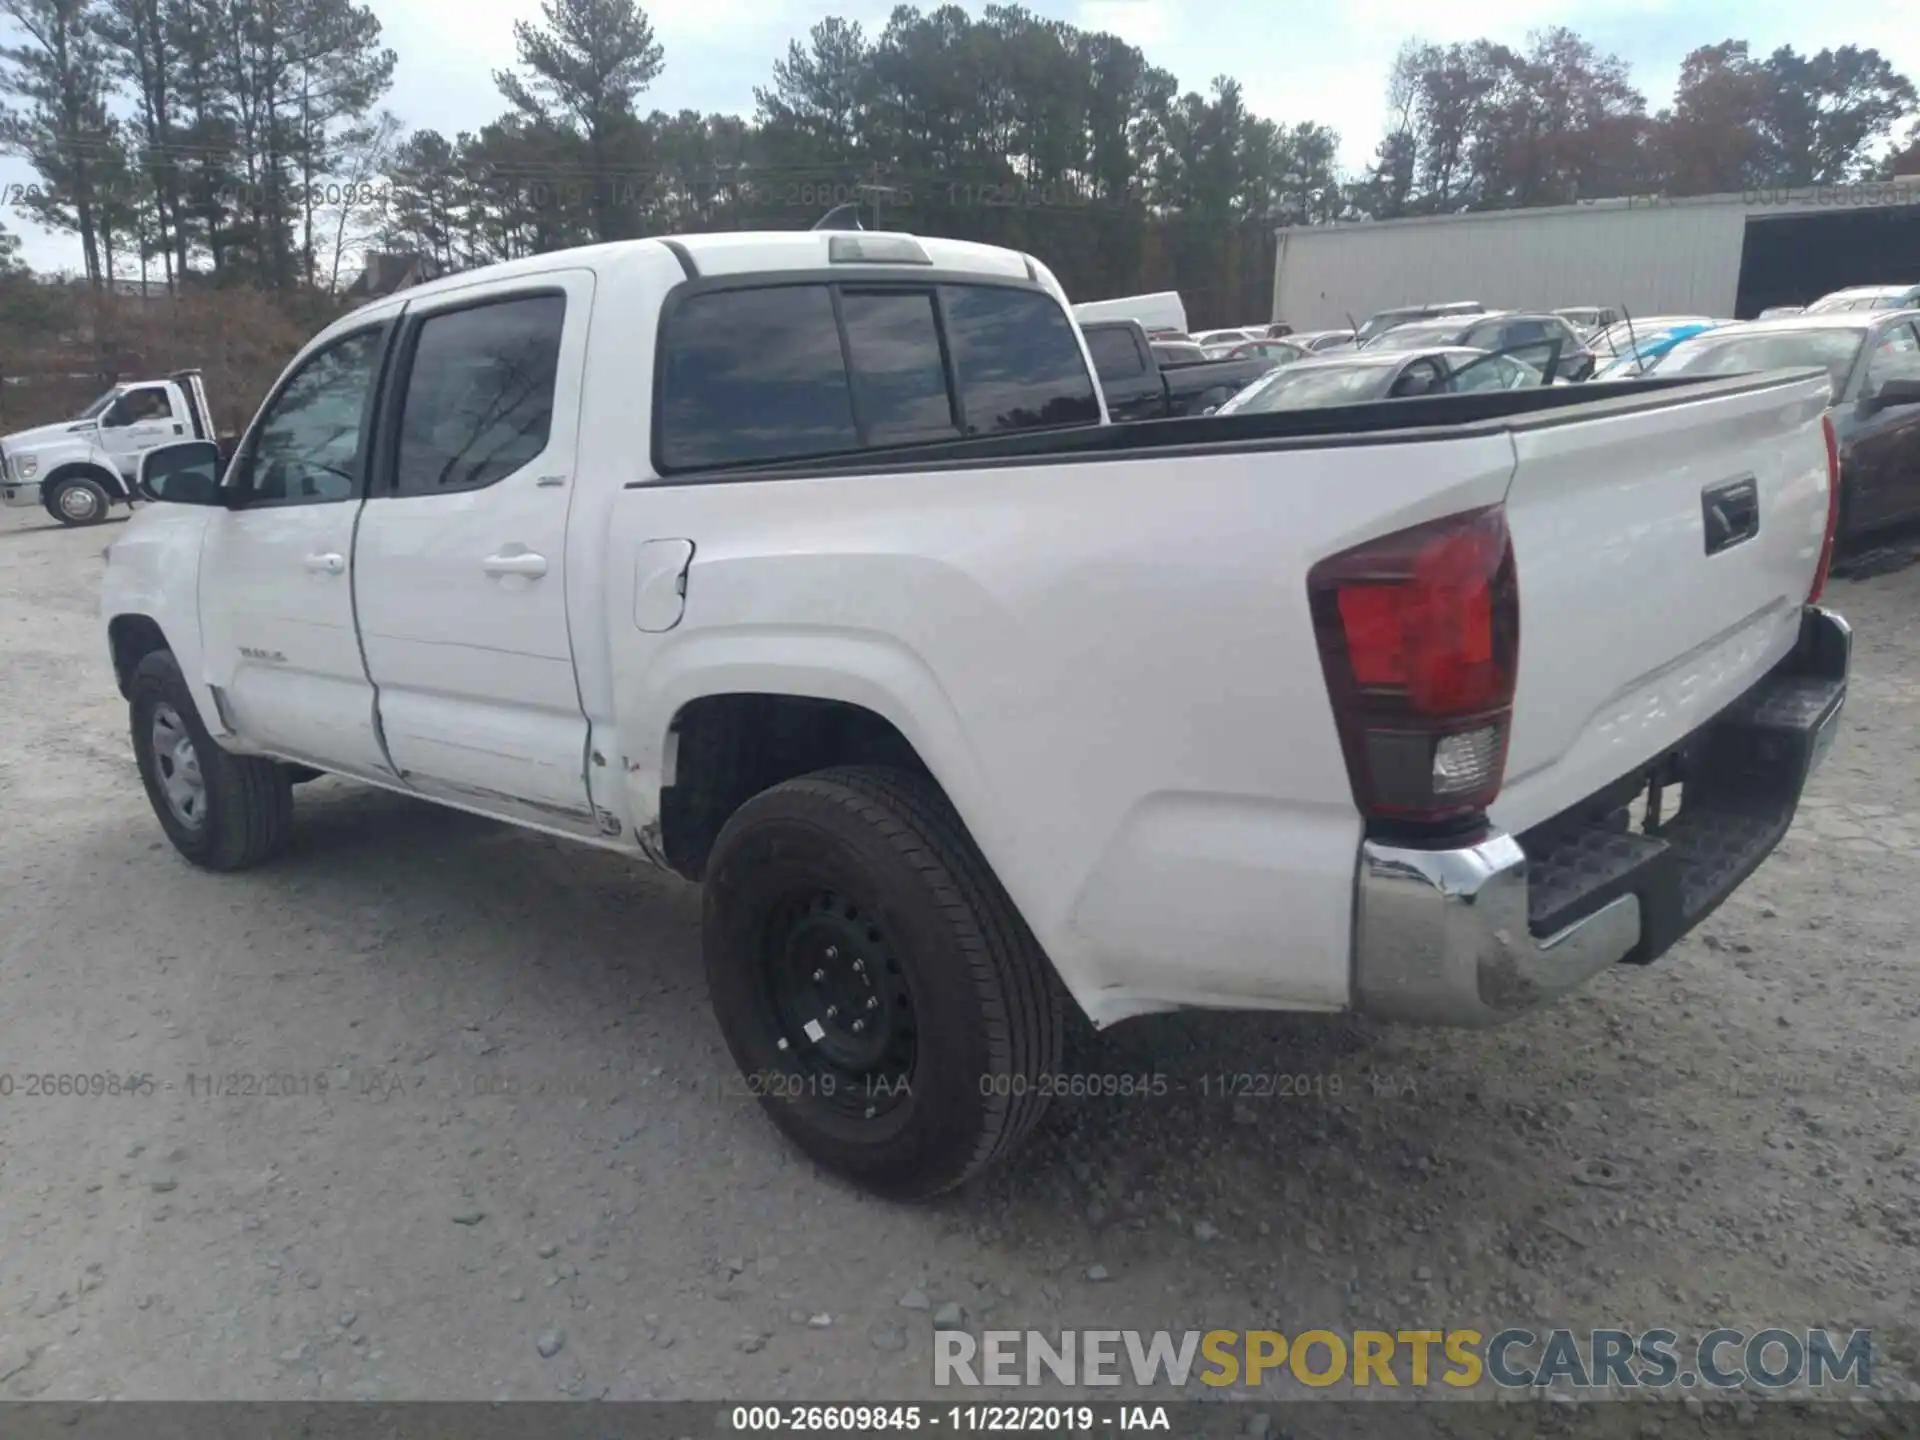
pixel 1741 776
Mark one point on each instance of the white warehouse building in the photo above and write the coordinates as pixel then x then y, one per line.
pixel 1726 255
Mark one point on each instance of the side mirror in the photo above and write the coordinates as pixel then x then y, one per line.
pixel 184 474
pixel 1890 394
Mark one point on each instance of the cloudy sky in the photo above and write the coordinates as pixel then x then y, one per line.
pixel 1322 60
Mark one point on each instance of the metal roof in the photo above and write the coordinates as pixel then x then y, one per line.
pixel 1766 199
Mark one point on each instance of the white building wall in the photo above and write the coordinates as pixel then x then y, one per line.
pixel 1655 258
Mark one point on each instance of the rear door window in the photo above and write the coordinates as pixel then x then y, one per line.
pixel 479 399
pixel 1115 356
pixel 1017 360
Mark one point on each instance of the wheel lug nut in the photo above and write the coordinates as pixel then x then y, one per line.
pixel 858 1026
pixel 860 966
pixel 818 976
pixel 873 1002
pixel 833 1011
pixel 833 952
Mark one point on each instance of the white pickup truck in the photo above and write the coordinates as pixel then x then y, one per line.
pixel 806 565
pixel 78 469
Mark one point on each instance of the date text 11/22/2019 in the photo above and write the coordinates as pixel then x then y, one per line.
pixel 961 1419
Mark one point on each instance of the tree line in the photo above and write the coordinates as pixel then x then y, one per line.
pixel 245 141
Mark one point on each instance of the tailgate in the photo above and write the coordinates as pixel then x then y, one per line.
pixel 1632 634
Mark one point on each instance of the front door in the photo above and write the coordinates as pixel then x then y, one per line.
pixel 144 416
pixel 460 566
pixel 276 581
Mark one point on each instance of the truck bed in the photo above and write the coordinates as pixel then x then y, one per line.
pixel 1376 422
pixel 1113 669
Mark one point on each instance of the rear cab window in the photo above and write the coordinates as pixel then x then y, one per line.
pixel 768 371
pixel 1115 355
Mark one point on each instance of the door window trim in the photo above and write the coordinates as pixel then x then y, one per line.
pixel 383 469
pixel 243 452
pixel 922 280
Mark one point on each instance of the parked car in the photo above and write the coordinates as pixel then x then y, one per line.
pixel 1277 330
pixel 1872 361
pixel 1637 360
pixel 1138 385
pixel 1496 331
pixel 1587 319
pixel 1322 340
pixel 1177 352
pixel 806 566
pixel 1780 312
pixel 1212 338
pixel 77 470
pixel 1616 340
pixel 1279 352
pixel 1867 297
pixel 1367 375
pixel 1382 321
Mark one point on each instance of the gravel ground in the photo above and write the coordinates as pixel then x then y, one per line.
pixel 532 1174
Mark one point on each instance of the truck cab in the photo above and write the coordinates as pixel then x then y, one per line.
pixel 78 469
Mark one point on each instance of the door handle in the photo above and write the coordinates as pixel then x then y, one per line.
pixel 1730 513
pixel 327 564
pixel 525 563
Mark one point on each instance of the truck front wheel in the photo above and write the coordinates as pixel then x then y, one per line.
pixel 882 997
pixel 78 500
pixel 221 811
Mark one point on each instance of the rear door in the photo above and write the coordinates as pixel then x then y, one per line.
pixel 1883 445
pixel 459 566
pixel 1128 376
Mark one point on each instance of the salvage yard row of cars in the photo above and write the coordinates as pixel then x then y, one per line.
pixel 1866 338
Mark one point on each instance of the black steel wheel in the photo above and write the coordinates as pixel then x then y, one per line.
pixel 882 997
pixel 839 1000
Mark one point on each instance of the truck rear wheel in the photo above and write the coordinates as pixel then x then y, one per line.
pixel 881 995
pixel 221 811
pixel 78 500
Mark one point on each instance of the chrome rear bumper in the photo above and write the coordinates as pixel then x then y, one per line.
pixel 1481 933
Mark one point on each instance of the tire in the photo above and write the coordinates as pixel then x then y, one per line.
pixel 78 500
pixel 244 809
pixel 970 1009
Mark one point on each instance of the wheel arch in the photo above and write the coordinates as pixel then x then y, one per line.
pixel 130 639
pixel 726 747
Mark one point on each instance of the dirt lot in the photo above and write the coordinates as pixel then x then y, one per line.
pixel 530 1172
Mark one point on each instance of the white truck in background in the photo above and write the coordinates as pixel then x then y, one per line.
pixel 77 470
pixel 1162 312
pixel 810 567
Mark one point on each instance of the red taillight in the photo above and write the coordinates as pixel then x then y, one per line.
pixel 1833 510
pixel 1419 637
